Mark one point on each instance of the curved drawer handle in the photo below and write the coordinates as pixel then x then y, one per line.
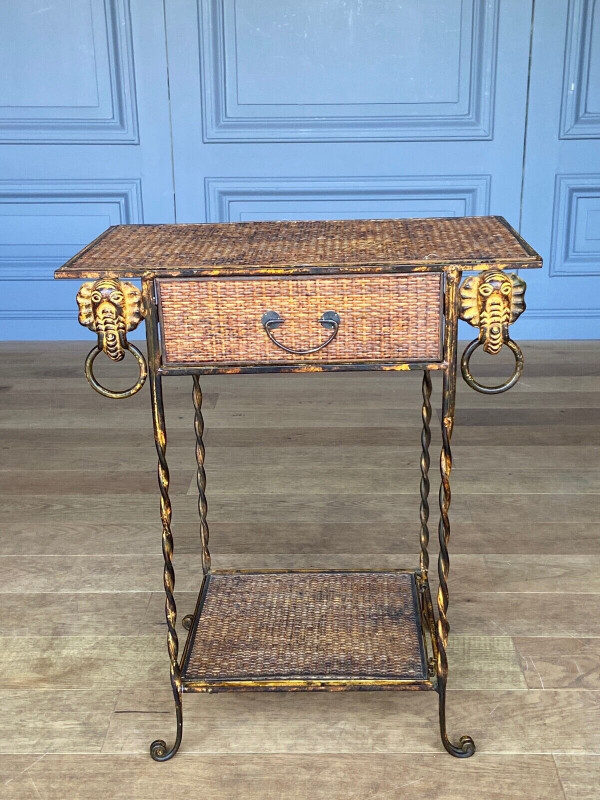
pixel 330 320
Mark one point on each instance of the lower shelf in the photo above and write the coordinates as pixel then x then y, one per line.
pixel 306 630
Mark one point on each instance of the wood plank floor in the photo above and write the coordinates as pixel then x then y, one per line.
pixel 309 470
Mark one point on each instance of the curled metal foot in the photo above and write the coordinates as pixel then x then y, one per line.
pixel 159 750
pixel 187 621
pixel 466 746
pixel 464 749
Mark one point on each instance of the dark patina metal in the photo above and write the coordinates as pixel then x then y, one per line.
pixel 330 320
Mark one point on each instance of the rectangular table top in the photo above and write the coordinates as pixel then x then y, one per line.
pixel 305 247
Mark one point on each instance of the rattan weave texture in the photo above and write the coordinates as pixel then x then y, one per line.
pixel 303 625
pixel 383 317
pixel 132 250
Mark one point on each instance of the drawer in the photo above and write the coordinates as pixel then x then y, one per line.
pixel 377 318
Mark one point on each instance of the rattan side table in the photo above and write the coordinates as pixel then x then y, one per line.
pixel 306 297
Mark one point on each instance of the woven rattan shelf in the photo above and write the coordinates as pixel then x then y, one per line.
pixel 307 630
pixel 320 296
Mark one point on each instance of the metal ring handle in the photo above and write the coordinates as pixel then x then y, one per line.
pixel 89 374
pixel 503 387
pixel 330 320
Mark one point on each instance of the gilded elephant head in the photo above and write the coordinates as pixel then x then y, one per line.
pixel 491 302
pixel 110 308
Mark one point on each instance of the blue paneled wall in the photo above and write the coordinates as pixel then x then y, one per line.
pixel 191 110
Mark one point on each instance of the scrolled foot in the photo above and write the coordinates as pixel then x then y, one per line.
pixel 466 746
pixel 464 749
pixel 159 751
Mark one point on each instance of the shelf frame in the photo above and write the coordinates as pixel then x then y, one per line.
pixel 308 682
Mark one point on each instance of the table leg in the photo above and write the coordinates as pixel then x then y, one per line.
pixel 466 745
pixel 423 578
pixel 201 474
pixel 158 748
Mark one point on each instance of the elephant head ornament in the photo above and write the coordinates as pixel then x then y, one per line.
pixel 491 302
pixel 111 308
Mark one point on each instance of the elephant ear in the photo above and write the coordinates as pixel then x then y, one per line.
pixel 134 309
pixel 84 302
pixel 517 306
pixel 469 308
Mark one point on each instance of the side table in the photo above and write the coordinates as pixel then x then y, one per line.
pixel 306 297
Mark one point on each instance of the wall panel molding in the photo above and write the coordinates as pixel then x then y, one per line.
pixel 563 313
pixel 117 201
pixel 113 118
pixel 577 120
pixel 239 199
pixel 468 117
pixel 575 248
pixel 43 314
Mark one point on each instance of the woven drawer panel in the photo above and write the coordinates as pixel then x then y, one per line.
pixel 383 318
pixel 360 625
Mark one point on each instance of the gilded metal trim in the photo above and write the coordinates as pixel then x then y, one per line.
pixel 316 684
pixel 256 369
pixel 491 302
pixel 111 308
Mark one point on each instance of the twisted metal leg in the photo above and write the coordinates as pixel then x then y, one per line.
pixel 425 461
pixel 201 474
pixel 158 749
pixel 466 745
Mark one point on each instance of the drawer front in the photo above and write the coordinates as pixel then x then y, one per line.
pixel 381 318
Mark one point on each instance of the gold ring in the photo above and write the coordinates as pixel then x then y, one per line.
pixel 89 374
pixel 503 387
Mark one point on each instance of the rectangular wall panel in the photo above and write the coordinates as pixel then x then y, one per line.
pixel 561 189
pixel 576 226
pixel 67 72
pixel 580 115
pixel 42 224
pixel 324 70
pixel 245 199
pixel 84 125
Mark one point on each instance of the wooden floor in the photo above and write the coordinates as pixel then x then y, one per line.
pixel 308 470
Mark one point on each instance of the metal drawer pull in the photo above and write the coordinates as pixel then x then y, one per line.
pixel 329 320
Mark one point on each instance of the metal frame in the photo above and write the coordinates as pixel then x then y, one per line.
pixel 307 683
pixel 434 632
pixel 111 308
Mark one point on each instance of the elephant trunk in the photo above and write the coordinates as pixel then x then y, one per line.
pixel 494 322
pixel 110 326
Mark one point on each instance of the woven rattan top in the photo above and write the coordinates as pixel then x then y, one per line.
pixel 301 247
